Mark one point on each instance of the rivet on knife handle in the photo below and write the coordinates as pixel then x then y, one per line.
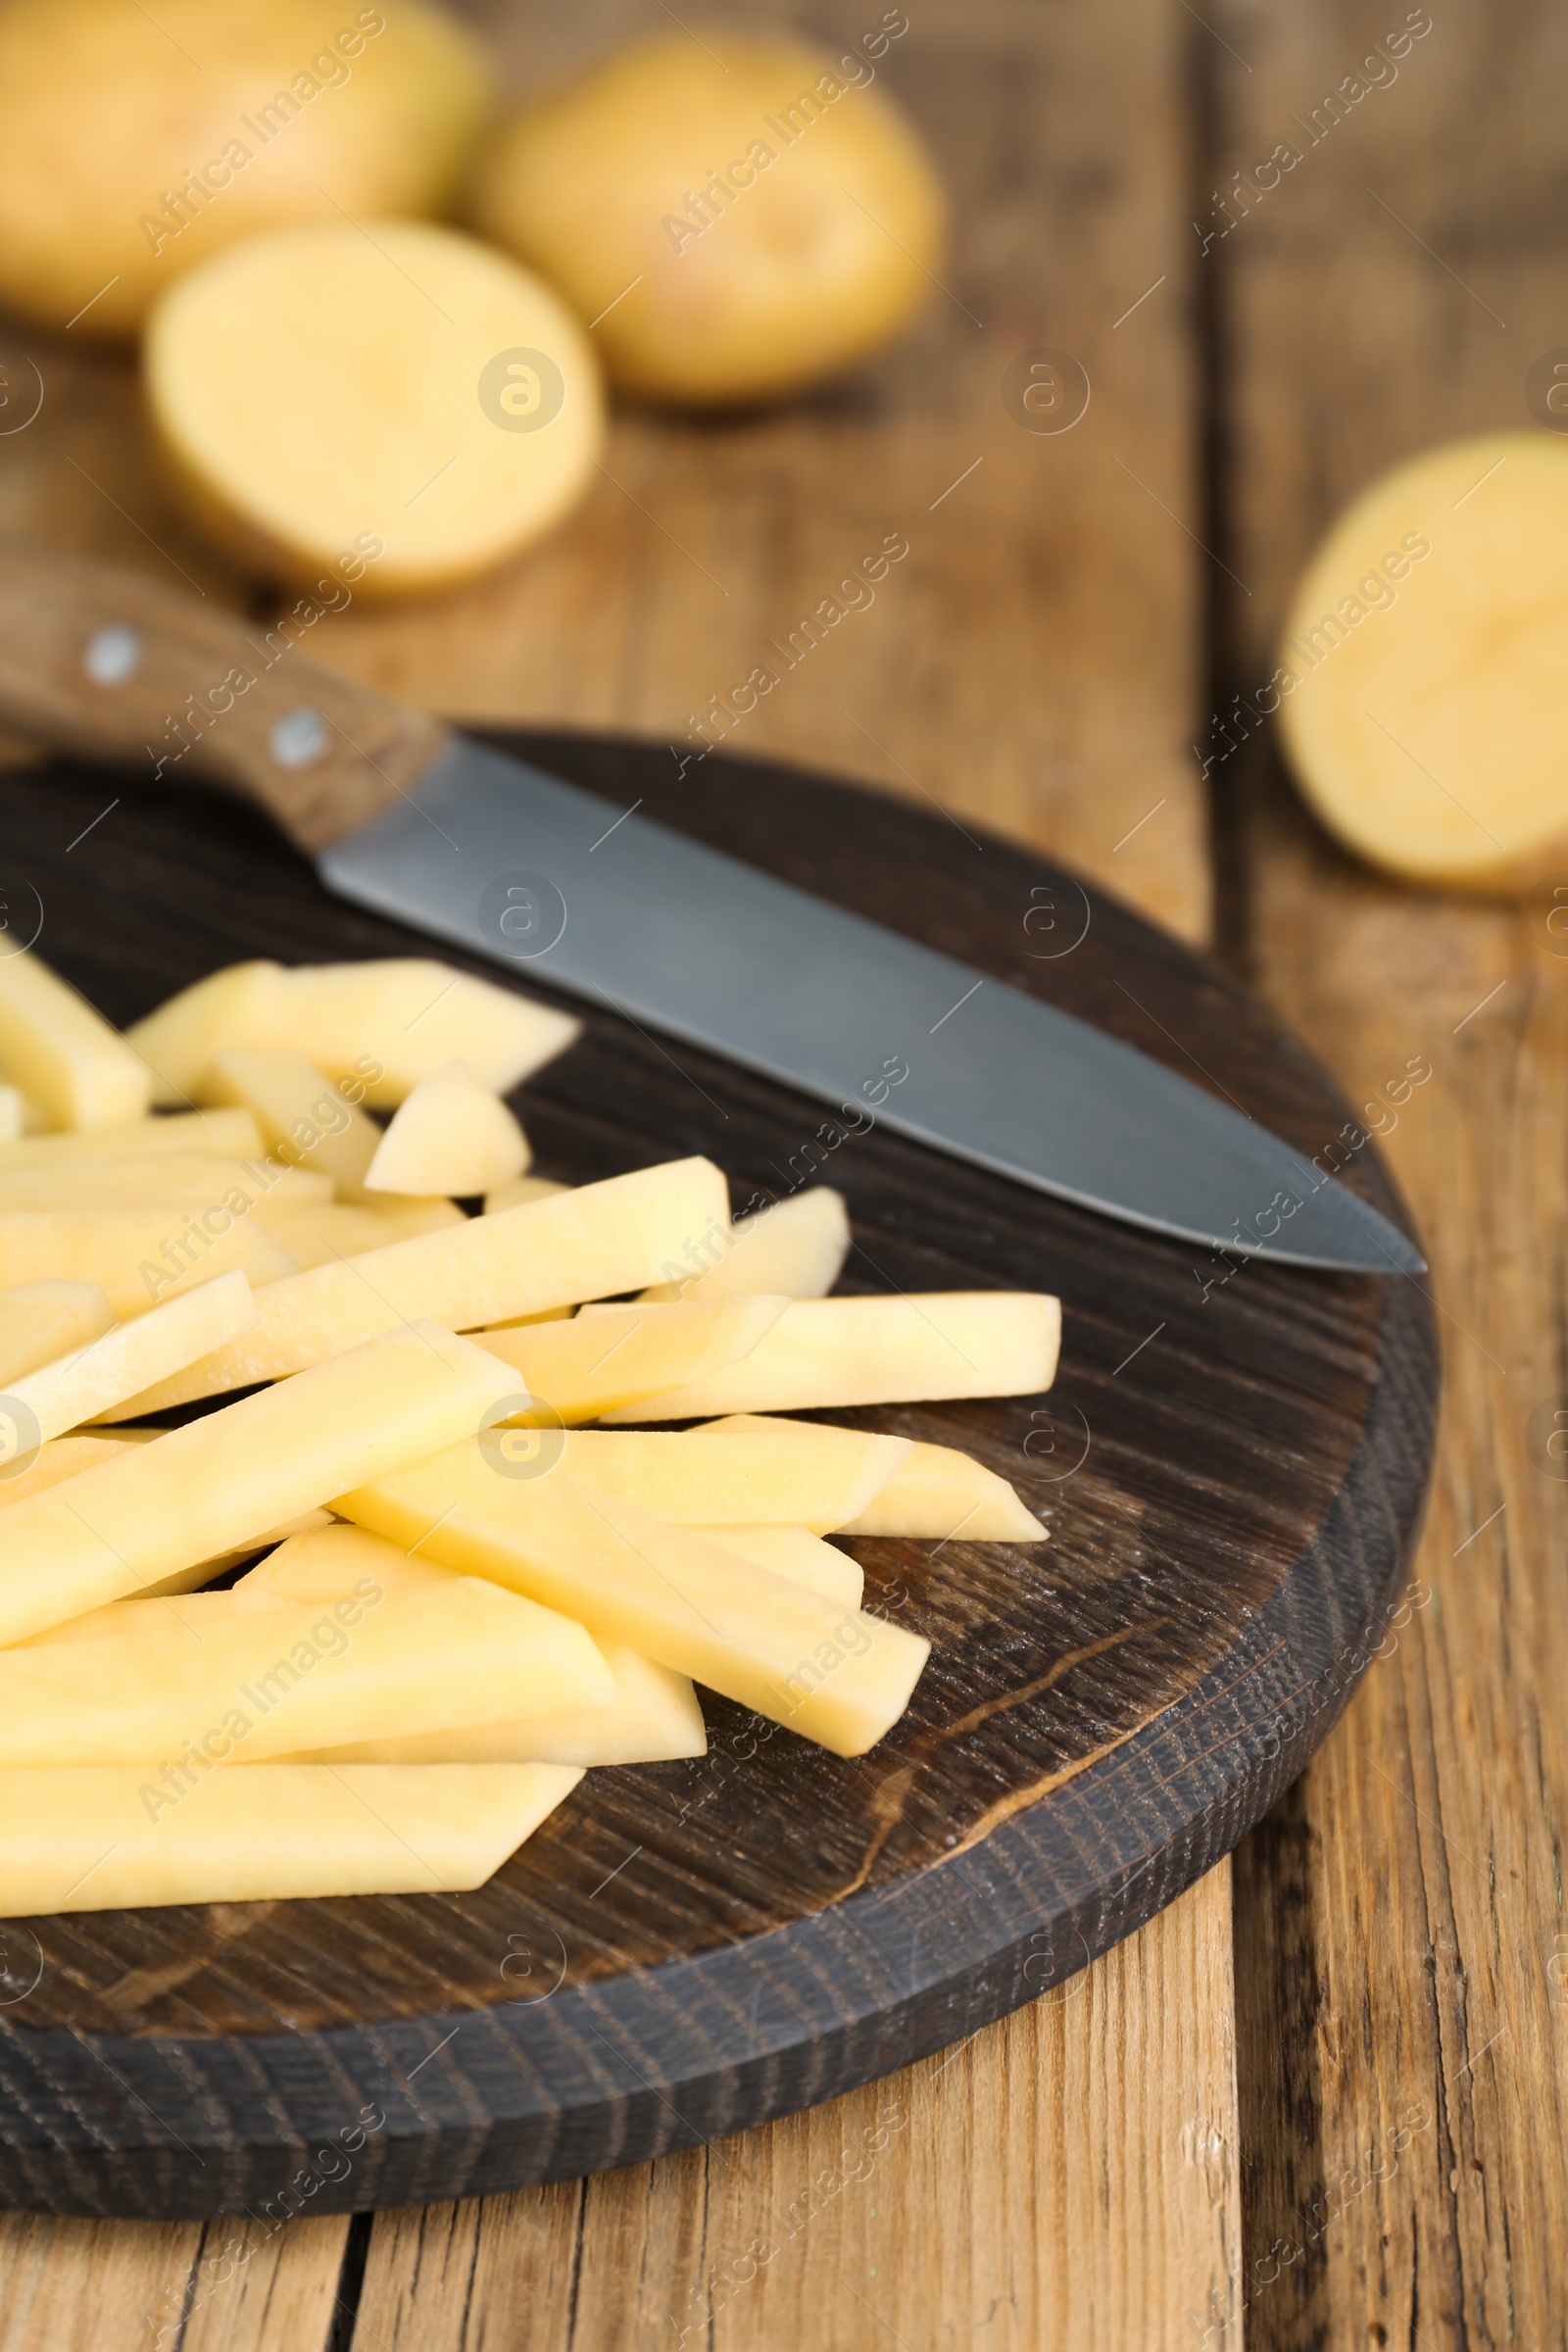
pixel 98 660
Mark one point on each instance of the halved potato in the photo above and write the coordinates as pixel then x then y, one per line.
pixel 1419 682
pixel 842 1351
pixel 389 388
pixel 375 1028
pixel 598 1239
pixel 453 1135
pixel 41 1320
pixel 136 142
pixel 797 1247
pixel 87 1837
pixel 738 217
pixel 62 1053
pixel 152 1511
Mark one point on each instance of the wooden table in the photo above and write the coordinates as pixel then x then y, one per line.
pixel 1320 2101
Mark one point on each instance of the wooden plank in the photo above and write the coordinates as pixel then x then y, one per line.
pixel 175 2287
pixel 1400 1931
pixel 1067 2178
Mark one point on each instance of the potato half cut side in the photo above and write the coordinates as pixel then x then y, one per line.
pixel 390 390
pixel 81 1837
pixel 844 1351
pixel 1419 684
pixel 818 1666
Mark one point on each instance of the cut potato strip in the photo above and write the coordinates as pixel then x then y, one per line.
pixel 82 1838
pixel 798 1247
pixel 302 1115
pixel 846 1351
pixel 223 1134
pixel 184 1580
pixel 795 1552
pixel 137 1255
pixel 57 1459
pixel 195 1179
pixel 451 1135
pixel 518 1189
pixel 61 1054
pixel 14 1111
pixel 581 1367
pixel 383 1025
pixel 200 1682
pixel 821 1481
pixel 324 1233
pixel 40 1320
pixel 655 1715
pixel 585 1244
pixel 819 1667
pixel 933 1490
pixel 152 1511
pixel 87 1382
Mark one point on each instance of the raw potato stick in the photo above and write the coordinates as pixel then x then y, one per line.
pixel 819 1667
pixel 224 1134
pixel 800 1476
pixel 155 1509
pixel 199 1683
pixel 577 1368
pixel 305 1120
pixel 80 1385
pixel 61 1054
pixel 77 1837
pixel 933 1490
pixel 381 1025
pixel 451 1135
pixel 124 1250
pixel 795 1552
pixel 909 1350
pixel 40 1320
pixel 654 1716
pixel 585 1244
pixel 797 1247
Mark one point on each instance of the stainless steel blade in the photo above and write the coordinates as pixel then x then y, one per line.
pixel 517 865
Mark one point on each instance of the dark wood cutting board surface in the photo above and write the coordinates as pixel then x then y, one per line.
pixel 1232 1465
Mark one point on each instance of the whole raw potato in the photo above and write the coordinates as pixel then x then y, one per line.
pixel 135 143
pixel 736 219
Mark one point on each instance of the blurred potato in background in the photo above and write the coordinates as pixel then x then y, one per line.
pixel 739 218
pixel 135 145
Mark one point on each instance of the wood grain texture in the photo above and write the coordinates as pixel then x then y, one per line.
pixel 1400 1926
pixel 728 1939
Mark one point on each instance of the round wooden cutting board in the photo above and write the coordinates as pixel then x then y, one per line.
pixel 1232 1465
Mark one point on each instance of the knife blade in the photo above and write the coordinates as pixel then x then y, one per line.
pixel 456 838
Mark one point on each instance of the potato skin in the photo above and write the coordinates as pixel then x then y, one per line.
pixel 132 150
pixel 778 215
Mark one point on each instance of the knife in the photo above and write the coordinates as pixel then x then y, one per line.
pixel 403 815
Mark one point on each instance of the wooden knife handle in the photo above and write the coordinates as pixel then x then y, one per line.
pixel 97 660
